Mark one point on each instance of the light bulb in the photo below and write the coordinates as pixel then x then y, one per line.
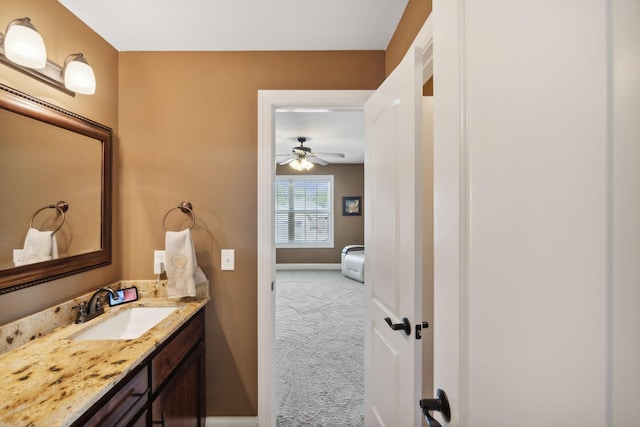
pixel 306 164
pixel 24 45
pixel 301 164
pixel 78 75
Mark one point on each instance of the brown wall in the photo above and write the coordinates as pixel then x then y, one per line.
pixel 348 180
pixel 185 126
pixel 188 124
pixel 64 34
pixel 414 17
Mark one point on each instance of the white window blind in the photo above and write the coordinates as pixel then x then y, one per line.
pixel 304 211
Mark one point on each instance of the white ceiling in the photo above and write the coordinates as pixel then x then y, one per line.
pixel 256 25
pixel 233 25
pixel 330 131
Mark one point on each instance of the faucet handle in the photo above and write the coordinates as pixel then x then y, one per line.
pixel 82 312
pixel 82 307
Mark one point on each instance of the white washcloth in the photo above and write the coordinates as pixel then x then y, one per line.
pixel 181 264
pixel 38 246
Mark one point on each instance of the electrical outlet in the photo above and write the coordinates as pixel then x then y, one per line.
pixel 159 260
pixel 228 259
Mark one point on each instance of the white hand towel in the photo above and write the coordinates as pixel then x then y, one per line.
pixel 39 246
pixel 181 264
pixel 54 247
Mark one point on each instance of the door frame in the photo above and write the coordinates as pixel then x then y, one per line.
pixel 268 100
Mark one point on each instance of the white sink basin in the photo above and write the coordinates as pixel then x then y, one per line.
pixel 128 324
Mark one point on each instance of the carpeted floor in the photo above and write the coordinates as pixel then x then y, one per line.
pixel 319 353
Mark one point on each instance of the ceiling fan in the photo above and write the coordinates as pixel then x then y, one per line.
pixel 303 158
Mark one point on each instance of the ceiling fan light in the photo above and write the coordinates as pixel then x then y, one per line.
pixel 296 165
pixel 23 44
pixel 301 164
pixel 78 75
pixel 306 164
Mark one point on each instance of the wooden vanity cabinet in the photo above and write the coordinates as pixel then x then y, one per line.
pixel 167 390
pixel 178 379
pixel 124 402
pixel 178 403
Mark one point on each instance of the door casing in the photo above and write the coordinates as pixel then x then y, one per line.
pixel 268 100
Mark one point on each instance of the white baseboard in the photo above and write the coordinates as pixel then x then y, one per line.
pixel 232 422
pixel 308 267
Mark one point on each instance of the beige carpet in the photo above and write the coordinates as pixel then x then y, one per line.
pixel 319 352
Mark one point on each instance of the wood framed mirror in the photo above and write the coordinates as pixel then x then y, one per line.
pixel 49 155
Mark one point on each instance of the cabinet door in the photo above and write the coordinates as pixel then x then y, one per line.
pixel 165 362
pixel 122 407
pixel 141 421
pixel 180 403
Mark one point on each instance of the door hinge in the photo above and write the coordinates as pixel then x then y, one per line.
pixel 419 328
pixel 271 286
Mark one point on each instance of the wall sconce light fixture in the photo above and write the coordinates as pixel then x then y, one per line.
pixel 23 44
pixel 23 49
pixel 78 75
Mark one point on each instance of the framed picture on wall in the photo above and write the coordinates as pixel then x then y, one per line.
pixel 351 206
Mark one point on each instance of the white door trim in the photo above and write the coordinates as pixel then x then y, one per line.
pixel 451 256
pixel 268 100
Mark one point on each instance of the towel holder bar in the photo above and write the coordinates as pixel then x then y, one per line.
pixel 185 207
pixel 61 207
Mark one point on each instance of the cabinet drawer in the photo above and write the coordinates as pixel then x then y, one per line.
pixel 170 356
pixel 125 404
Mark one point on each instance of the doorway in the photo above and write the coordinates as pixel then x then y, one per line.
pixel 318 368
pixel 267 103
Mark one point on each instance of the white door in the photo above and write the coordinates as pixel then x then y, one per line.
pixel 525 258
pixel 393 230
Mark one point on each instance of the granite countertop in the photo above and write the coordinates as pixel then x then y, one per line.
pixel 51 380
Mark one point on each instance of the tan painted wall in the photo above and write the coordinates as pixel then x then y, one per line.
pixel 64 34
pixel 186 129
pixel 414 17
pixel 348 180
pixel 415 14
pixel 188 125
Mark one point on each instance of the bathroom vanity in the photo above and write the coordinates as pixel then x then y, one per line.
pixel 170 385
pixel 61 379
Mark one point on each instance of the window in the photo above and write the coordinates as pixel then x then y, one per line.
pixel 304 211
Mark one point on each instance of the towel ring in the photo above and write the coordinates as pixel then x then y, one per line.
pixel 61 206
pixel 185 207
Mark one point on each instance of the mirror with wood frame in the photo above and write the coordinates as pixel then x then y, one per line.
pixel 51 159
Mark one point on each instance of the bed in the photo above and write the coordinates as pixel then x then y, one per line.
pixel 353 262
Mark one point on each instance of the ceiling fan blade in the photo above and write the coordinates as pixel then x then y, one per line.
pixel 317 160
pixel 286 162
pixel 338 155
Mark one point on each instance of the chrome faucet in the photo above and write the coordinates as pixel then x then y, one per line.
pixel 94 308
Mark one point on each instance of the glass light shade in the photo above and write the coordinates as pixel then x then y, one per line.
pixel 78 75
pixel 301 164
pixel 24 45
